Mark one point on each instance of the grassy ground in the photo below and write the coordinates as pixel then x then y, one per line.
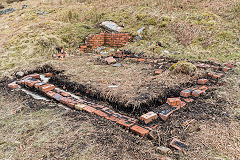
pixel 198 30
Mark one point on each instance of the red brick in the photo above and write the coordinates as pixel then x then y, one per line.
pixel 125 123
pixel 167 112
pixel 158 71
pixel 225 69
pixel 215 67
pixel 48 74
pixel 173 101
pixel 31 83
pixel 197 93
pixel 13 85
pixel 215 76
pixel 50 94
pixel 89 109
pixel 35 75
pixel 202 81
pixel 47 87
pixel 139 130
pixel 148 117
pixel 229 65
pixel 100 113
pixel 112 118
pixel 64 94
pixel 175 143
pixel 203 88
pixel 183 104
pixel 141 60
pixel 37 85
pixel 185 93
pixel 188 100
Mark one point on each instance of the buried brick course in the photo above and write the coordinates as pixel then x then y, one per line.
pixel 129 123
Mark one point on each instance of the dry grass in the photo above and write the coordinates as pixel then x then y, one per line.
pixel 186 33
pixel 217 141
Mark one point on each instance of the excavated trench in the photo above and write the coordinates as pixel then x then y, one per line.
pixel 162 133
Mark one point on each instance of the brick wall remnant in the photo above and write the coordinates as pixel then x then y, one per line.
pixel 110 39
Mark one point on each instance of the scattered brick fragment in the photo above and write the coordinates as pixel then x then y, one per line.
pixel 183 104
pixel 225 69
pixel 215 67
pixel 148 117
pixel 141 60
pixel 110 60
pixel 139 130
pixel 158 71
pixel 175 143
pixel 48 74
pixel 46 87
pixel 229 65
pixel 185 93
pixel 202 65
pixel 197 93
pixel 215 76
pixel 174 101
pixel 13 85
pixel 202 81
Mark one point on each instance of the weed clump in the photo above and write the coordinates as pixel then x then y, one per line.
pixel 183 67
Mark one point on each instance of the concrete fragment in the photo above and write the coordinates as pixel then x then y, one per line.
pixel 112 26
pixel 20 74
pixel 148 117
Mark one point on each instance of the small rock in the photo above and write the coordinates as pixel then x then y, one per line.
pixel 158 71
pixel 166 51
pixel 20 74
pixel 110 60
pixel 163 150
pixel 140 31
pixel 112 26
pixel 118 65
pixel 112 86
pixel 24 6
